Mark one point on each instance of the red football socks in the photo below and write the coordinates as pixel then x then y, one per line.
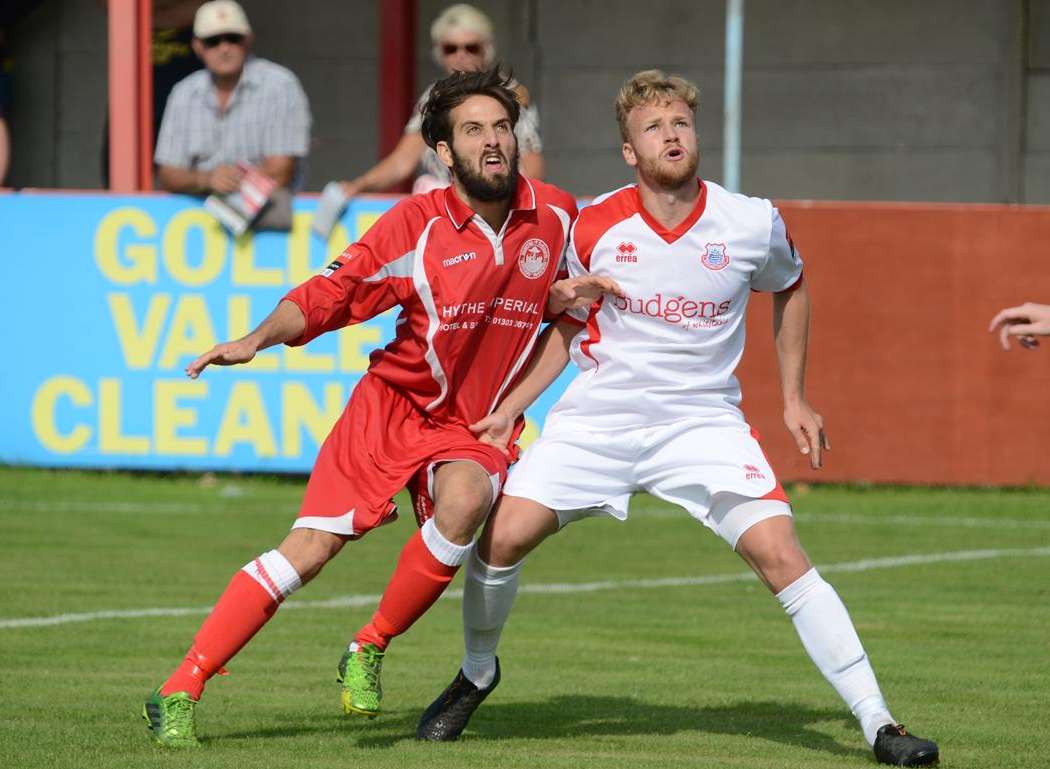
pixel 418 581
pixel 244 607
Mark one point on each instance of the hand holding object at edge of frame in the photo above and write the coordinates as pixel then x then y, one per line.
pixel 1024 321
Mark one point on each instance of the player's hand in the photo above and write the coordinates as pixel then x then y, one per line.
pixel 225 354
pixel 1024 321
pixel 576 293
pixel 225 179
pixel 807 428
pixel 496 430
pixel 350 189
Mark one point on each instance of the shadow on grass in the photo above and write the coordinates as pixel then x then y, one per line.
pixel 580 715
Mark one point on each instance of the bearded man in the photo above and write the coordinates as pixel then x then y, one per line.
pixel 473 268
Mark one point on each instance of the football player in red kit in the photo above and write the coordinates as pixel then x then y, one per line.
pixel 474 269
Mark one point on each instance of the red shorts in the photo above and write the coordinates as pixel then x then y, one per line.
pixel 380 444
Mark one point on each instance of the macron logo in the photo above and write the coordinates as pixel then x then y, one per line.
pixel 452 261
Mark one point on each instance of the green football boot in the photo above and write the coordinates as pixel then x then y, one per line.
pixel 170 719
pixel 359 671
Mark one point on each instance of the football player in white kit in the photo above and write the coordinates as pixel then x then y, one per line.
pixel 655 407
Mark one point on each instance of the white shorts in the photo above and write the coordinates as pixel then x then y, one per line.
pixel 719 474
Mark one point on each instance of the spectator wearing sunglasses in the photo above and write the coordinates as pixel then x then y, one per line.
pixel 240 108
pixel 463 41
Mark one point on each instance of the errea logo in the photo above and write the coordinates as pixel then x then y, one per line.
pixel 626 252
pixel 452 261
pixel 752 473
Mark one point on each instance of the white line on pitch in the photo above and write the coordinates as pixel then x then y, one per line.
pixel 237 504
pixel 560 588
pixel 228 503
pixel 852 519
pixel 923 520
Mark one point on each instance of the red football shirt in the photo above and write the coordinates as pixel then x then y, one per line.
pixel 472 299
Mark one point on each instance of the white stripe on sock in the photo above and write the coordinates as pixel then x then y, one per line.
pixel 274 572
pixel 449 553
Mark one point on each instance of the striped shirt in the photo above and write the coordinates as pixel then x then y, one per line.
pixel 267 115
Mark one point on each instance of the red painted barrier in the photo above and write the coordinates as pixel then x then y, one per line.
pixel 912 387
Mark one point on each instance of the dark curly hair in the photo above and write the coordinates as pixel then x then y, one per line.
pixel 448 93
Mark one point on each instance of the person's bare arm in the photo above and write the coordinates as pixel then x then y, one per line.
pixel 391 170
pixel 1025 321
pixel 5 150
pixel 223 179
pixel 547 362
pixel 280 168
pixel 285 323
pixel 184 180
pixel 532 165
pixel 550 357
pixel 528 131
pixel 579 292
pixel 791 335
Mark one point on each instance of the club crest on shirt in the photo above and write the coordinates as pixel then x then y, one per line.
pixel 533 258
pixel 715 256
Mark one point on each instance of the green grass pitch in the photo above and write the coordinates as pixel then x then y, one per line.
pixel 949 589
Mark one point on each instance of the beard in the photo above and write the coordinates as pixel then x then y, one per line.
pixel 486 189
pixel 670 176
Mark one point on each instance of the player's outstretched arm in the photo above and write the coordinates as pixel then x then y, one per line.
pixel 577 293
pixel 286 322
pixel 791 333
pixel 550 357
pixel 1024 321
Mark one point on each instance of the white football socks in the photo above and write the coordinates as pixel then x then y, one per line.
pixel 448 553
pixel 488 596
pixel 276 575
pixel 828 635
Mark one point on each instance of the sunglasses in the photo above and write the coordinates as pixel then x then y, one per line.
pixel 474 49
pixel 230 37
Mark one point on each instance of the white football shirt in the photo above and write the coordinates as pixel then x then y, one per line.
pixel 669 349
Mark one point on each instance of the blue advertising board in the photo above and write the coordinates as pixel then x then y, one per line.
pixel 110 297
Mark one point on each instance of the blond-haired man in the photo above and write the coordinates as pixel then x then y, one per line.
pixel 655 407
